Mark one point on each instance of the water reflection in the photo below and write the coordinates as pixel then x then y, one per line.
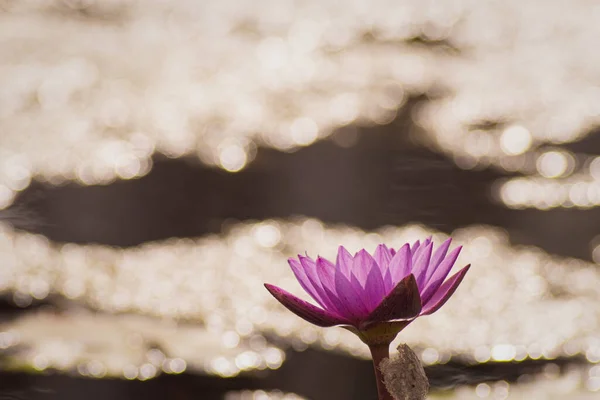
pixel 505 86
pixel 497 94
pixel 261 395
pixel 508 308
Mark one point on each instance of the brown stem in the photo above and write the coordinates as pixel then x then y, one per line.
pixel 378 353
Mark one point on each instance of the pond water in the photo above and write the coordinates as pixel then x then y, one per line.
pixel 151 183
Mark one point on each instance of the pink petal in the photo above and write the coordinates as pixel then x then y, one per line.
pixel 403 302
pixel 344 261
pixel 300 274
pixel 437 258
pixel 419 249
pixel 387 281
pixel 401 264
pixel 374 288
pixel 415 246
pixel 440 273
pixel 348 295
pixel 326 274
pixel 310 268
pixel 305 310
pixel 358 288
pixel 444 292
pixel 383 257
pixel 421 263
pixel 417 252
pixel 307 263
pixel 363 262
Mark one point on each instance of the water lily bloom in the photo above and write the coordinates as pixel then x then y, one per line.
pixel 376 295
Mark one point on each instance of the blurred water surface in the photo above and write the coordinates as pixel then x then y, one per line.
pixel 159 161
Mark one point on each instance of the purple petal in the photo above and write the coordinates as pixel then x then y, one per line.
pixel 343 309
pixel 304 281
pixel 344 261
pixel 440 273
pixel 348 295
pixel 326 273
pixel 401 264
pixel 383 257
pixel 416 253
pixel 403 302
pixel 358 288
pixel 310 268
pixel 374 288
pixel 307 263
pixel 305 310
pixel 437 258
pixel 419 249
pixel 363 262
pixel 415 246
pixel 444 292
pixel 387 281
pixel 421 263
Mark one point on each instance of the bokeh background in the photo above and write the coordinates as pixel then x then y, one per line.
pixel 160 160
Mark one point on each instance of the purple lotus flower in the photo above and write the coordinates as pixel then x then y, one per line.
pixel 374 296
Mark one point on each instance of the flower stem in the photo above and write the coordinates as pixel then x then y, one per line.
pixel 378 353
